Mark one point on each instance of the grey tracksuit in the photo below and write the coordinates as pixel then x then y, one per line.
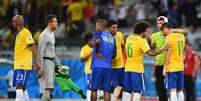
pixel 48 58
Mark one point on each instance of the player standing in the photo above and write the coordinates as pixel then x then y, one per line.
pixel 48 58
pixel 117 62
pixel 136 47
pixel 24 49
pixel 174 66
pixel 86 56
pixel 103 52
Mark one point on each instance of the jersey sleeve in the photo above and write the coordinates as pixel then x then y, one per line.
pixel 145 46
pixel 122 39
pixel 28 37
pixel 96 35
pixel 83 53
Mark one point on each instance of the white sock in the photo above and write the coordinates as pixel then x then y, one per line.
pixel 88 95
pixel 46 95
pixel 126 96
pixel 19 95
pixel 100 94
pixel 112 96
pixel 173 96
pixel 136 96
pixel 26 96
pixel 180 96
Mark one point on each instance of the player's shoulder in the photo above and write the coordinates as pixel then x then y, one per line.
pixel 130 37
pixel 177 35
pixel 43 33
pixel 118 33
pixel 25 31
pixel 85 47
pixel 156 34
pixel 135 38
pixel 97 33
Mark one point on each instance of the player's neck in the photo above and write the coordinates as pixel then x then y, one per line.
pixel 50 29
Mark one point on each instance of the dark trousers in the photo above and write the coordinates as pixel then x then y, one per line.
pixel 189 85
pixel 159 84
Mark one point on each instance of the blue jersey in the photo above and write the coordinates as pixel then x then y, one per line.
pixel 107 49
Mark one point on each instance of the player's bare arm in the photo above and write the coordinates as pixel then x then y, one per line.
pixel 179 31
pixel 36 57
pixel 167 58
pixel 158 51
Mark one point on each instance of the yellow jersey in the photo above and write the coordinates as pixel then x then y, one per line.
pixel 136 47
pixel 76 10
pixel 86 51
pixel 176 42
pixel 118 62
pixel 22 52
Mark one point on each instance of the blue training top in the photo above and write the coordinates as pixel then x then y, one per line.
pixel 107 48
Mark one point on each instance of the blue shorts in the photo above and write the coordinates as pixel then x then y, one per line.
pixel 20 77
pixel 101 77
pixel 174 80
pixel 117 77
pixel 88 79
pixel 134 82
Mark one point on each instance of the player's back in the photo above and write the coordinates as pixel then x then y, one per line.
pixel 136 47
pixel 106 48
pixel 176 42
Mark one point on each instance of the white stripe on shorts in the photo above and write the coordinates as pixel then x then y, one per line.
pixel 25 73
pixel 143 84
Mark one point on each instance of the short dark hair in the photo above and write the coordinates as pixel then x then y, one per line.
pixel 49 17
pixel 87 37
pixel 166 25
pixel 110 23
pixel 140 27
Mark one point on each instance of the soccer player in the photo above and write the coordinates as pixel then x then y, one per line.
pixel 158 41
pixel 136 46
pixel 48 58
pixel 174 66
pixel 103 52
pixel 117 62
pixel 191 62
pixel 24 49
pixel 86 56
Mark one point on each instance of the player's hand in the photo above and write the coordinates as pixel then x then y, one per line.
pixel 99 55
pixel 167 46
pixel 39 70
pixel 164 71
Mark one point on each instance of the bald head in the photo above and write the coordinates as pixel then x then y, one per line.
pixel 18 22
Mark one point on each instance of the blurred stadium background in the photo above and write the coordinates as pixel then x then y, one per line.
pixel 181 13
